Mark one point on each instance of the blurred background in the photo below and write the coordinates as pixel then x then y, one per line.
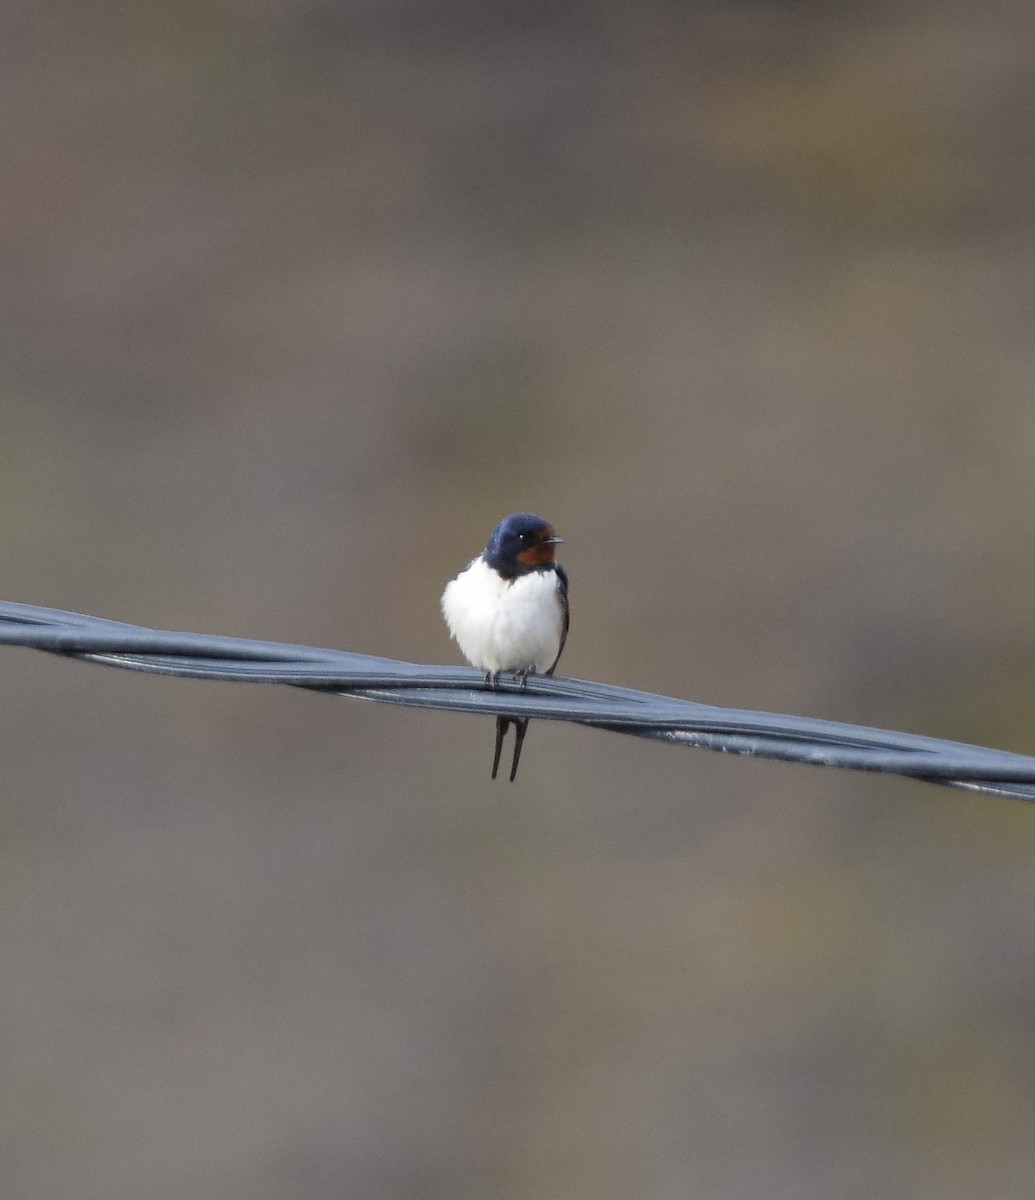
pixel 300 298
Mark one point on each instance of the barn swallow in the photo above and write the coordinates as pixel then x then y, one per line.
pixel 508 610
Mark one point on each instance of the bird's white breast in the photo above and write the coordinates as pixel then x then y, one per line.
pixel 505 625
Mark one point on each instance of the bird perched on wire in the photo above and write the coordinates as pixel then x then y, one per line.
pixel 508 610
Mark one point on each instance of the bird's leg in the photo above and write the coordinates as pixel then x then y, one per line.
pixel 492 678
pixel 522 675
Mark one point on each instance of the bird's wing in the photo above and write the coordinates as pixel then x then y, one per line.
pixel 562 595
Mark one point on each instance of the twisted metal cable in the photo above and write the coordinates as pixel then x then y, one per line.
pixel 550 698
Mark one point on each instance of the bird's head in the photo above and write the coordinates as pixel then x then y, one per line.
pixel 520 544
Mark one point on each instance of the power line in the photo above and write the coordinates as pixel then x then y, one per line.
pixel 550 698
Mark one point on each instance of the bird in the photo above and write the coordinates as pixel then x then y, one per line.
pixel 508 611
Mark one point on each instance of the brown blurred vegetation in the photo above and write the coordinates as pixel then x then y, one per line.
pixel 300 298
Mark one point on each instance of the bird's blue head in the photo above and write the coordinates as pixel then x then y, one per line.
pixel 520 544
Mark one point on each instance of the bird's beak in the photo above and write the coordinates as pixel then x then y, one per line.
pixel 554 541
